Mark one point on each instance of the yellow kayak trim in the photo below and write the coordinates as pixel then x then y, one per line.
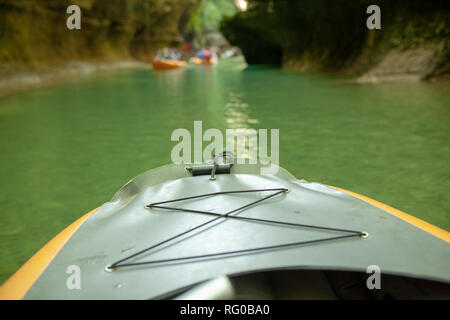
pixel 16 287
pixel 425 226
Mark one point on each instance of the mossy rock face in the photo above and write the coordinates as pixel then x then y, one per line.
pixel 33 33
pixel 332 35
pixel 276 31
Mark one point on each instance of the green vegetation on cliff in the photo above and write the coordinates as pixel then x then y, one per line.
pixel 208 15
pixel 203 27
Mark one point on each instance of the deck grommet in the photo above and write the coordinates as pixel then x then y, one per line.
pixel 364 235
pixel 109 269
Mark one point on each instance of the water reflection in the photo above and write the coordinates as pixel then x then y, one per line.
pixel 238 119
pixel 169 79
pixel 237 112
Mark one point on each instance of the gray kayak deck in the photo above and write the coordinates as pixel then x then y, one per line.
pixel 124 226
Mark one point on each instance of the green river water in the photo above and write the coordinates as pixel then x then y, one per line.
pixel 66 149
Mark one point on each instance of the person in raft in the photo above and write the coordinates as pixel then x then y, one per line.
pixel 206 55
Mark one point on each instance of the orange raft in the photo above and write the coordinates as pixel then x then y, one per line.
pixel 199 62
pixel 168 64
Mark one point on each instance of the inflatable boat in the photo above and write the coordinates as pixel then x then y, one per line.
pixel 226 231
pixel 168 64
pixel 199 62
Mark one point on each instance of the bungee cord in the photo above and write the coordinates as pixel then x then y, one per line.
pixel 122 262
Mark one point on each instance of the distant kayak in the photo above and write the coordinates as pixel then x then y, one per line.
pixel 199 62
pixel 168 64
